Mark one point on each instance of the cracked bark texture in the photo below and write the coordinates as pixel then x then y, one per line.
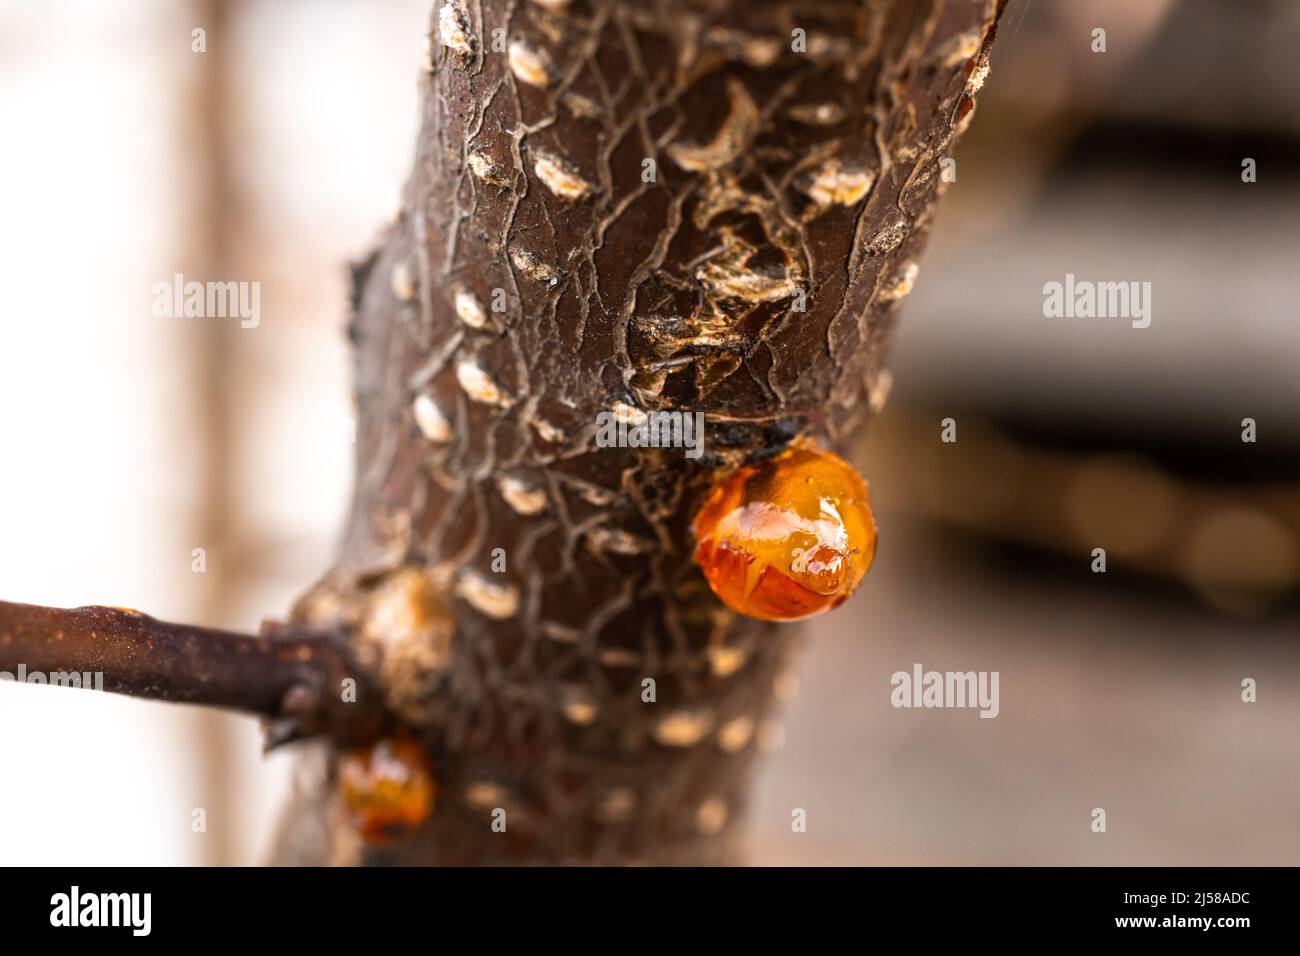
pixel 626 207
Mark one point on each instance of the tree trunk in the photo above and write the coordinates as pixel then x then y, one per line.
pixel 692 205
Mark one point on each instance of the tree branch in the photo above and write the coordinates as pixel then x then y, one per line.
pixel 627 208
pixel 289 675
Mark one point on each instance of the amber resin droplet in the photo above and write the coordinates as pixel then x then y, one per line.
pixel 386 789
pixel 787 538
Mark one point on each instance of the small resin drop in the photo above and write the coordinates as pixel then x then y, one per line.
pixel 787 538
pixel 386 789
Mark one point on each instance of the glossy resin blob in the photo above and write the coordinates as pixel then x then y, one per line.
pixel 787 538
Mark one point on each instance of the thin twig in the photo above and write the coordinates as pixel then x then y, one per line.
pixel 291 676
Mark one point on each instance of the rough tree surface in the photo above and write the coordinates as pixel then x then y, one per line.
pixel 694 205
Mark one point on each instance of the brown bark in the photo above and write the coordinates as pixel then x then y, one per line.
pixel 710 206
pixel 782 178
pixel 290 676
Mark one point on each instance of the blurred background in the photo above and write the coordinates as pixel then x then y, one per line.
pixel 129 441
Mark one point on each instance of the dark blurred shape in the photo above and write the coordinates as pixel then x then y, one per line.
pixel 1216 65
